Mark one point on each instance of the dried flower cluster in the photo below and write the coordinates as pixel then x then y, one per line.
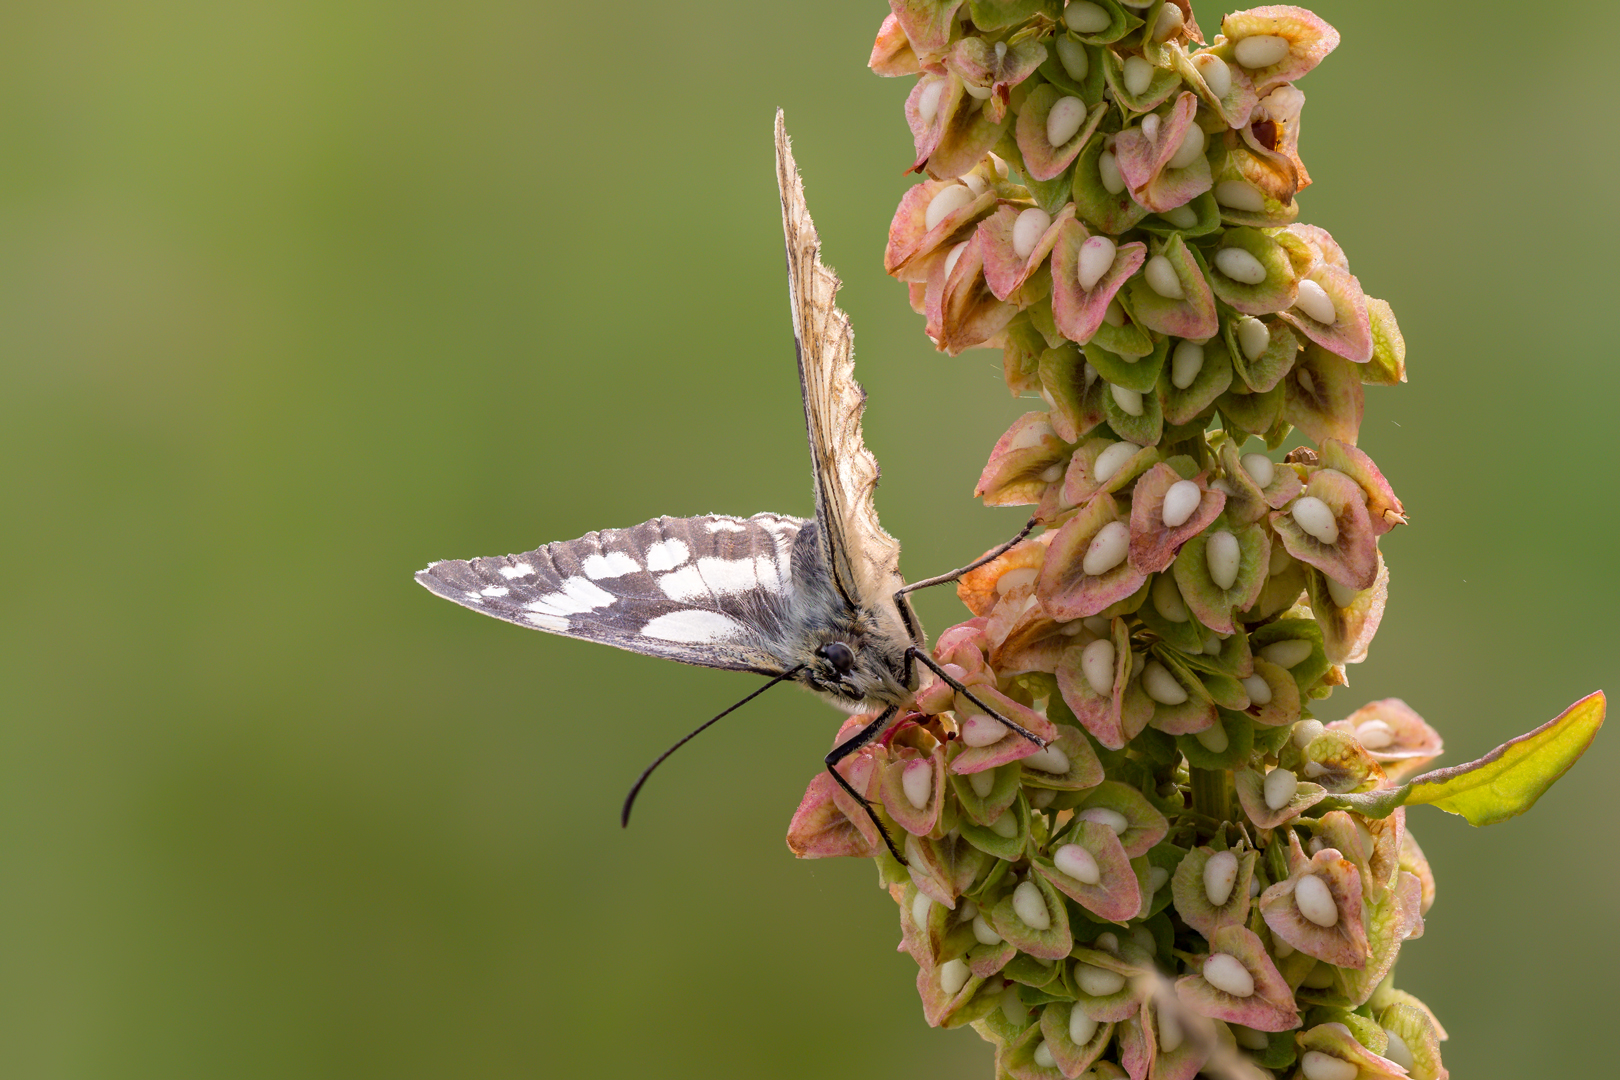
pixel 1195 874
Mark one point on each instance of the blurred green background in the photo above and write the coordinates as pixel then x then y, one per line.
pixel 296 297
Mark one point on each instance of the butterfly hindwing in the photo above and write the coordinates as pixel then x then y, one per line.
pixel 863 558
pixel 708 590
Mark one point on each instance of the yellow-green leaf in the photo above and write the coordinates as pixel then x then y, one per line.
pixel 1508 780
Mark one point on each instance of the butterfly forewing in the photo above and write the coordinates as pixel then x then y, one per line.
pixel 709 590
pixel 863 558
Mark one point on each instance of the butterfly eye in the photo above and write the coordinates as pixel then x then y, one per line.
pixel 838 655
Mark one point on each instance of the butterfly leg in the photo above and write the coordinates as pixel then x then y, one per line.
pixel 848 747
pixel 928 662
pixel 945 579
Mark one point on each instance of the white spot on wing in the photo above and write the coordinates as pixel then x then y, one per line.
pixel 548 622
pixel 683 584
pixel 695 627
pixel 667 554
pixel 765 571
pixel 474 598
pixel 610 564
pixel 521 569
pixel 728 575
pixel 722 525
pixel 496 590
pixel 576 595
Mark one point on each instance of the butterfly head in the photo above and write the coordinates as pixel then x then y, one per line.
pixel 856 672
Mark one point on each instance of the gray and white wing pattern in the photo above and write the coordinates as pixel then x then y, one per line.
pixel 863 558
pixel 707 590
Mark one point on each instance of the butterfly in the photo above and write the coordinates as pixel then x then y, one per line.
pixel 820 601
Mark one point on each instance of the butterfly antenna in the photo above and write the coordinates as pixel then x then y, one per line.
pixel 635 789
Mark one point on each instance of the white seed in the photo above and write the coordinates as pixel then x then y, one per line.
pixel 982 93
pixel 920 907
pixel 1169 23
pixel 1084 18
pixel 1033 435
pixel 946 202
pixel 1315 901
pixel 1259 691
pixel 1072 55
pixel 1042 798
pixel 1081 1027
pixel 1052 473
pixel 1213 739
pixel 1005 826
pixel 1227 974
pixel 1249 1038
pixel 1097 665
pixel 1180 502
pixel 1185 363
pixel 1027 230
pixel 1306 383
pixel 956 253
pixel 1182 217
pixel 966 910
pixel 1280 786
pixel 1254 337
pixel 1043 1056
pixel 982 783
pixel 1160 274
pixel 1220 874
pixel 1162 686
pixel 1050 760
pixel 1240 195
pixel 1016 579
pixel 1104 815
pixel 975 183
pixel 1113 315
pixel 1030 906
pixel 1192 143
pixel 1113 181
pixel 1284 103
pixel 1112 459
pixel 1065 120
pixel 983 932
pixel 1279 560
pixel 1343 595
pixel 1157 876
pixel 1097 982
pixel 1317 518
pixel 1280 948
pixel 1001 51
pixel 1138 76
pixel 1306 731
pixel 928 100
pixel 1096 256
pixel 1240 266
pixel 1260 468
pixel 1398 1052
pixel 1375 735
pixel 1261 50
pixel 1288 653
pixel 1150 127
pixel 1314 301
pixel 1223 555
pixel 917 781
pixel 1170 1034
pixel 1212 643
pixel 1217 76
pixel 1129 401
pixel 980 730
pixel 953 975
pixel 1107 549
pixel 1167 599
pixel 1078 863
pixel 1107 942
pixel 1319 1066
